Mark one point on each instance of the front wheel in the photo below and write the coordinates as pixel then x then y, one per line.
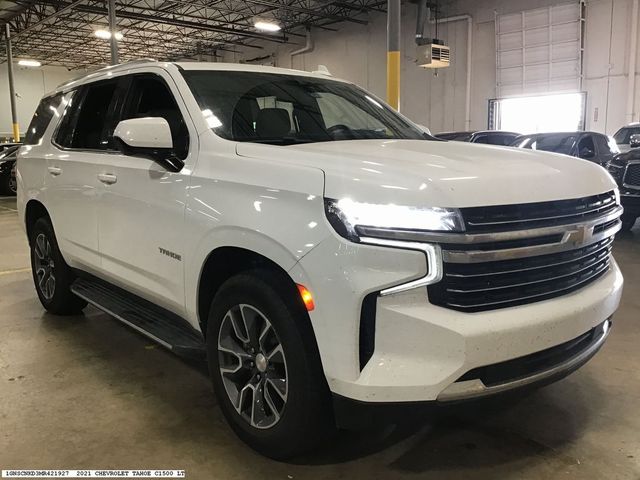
pixel 51 275
pixel 265 369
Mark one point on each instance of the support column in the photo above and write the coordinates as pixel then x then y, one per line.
pixel 631 79
pixel 393 53
pixel 12 89
pixel 112 28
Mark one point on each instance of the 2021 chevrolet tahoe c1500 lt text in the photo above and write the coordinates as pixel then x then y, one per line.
pixel 319 249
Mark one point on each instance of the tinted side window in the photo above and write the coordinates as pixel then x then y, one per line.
pixel 501 139
pixel 64 134
pixel 504 140
pixel 586 146
pixel 41 119
pixel 149 96
pixel 602 143
pixel 85 119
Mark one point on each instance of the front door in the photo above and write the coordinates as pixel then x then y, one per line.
pixel 142 205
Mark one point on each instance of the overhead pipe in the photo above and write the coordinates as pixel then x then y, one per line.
pixel 469 20
pixel 631 79
pixel 393 53
pixel 420 21
pixel 12 88
pixel 308 47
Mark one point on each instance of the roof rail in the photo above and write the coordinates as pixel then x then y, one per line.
pixel 103 69
pixel 137 60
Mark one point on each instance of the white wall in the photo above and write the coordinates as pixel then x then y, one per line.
pixel 358 53
pixel 606 64
pixel 31 84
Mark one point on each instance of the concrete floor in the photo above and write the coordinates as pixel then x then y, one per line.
pixel 87 392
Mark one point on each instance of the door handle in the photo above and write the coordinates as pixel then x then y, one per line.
pixel 107 178
pixel 55 171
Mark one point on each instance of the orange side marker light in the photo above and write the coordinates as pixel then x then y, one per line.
pixel 306 296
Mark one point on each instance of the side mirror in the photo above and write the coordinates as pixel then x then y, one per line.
pixel 634 141
pixel 148 137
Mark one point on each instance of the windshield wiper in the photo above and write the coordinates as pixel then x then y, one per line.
pixel 283 141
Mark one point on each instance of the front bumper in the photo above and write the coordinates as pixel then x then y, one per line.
pixel 422 350
pixel 536 370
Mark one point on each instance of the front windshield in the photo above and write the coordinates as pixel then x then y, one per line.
pixel 623 136
pixel 560 143
pixel 288 109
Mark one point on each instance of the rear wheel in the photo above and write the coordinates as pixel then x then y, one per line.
pixel 7 184
pixel 13 184
pixel 628 222
pixel 51 275
pixel 265 367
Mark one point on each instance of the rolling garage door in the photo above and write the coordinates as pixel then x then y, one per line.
pixel 539 51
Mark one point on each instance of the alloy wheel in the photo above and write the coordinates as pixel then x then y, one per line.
pixel 45 266
pixel 253 366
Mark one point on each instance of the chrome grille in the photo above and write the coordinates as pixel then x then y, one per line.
pixel 490 269
pixel 531 215
pixel 491 285
pixel 632 176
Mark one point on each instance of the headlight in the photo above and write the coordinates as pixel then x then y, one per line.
pixel 352 219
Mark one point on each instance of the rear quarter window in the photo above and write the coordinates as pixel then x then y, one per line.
pixel 46 110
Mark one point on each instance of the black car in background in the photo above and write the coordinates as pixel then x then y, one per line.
pixel 8 145
pixel 625 169
pixel 491 137
pixel 592 146
pixel 7 162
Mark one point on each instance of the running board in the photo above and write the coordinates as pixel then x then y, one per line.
pixel 160 325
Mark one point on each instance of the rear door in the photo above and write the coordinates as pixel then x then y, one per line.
pixel 72 184
pixel 142 206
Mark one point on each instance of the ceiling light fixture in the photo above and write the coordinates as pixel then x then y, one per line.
pixel 267 26
pixel 29 63
pixel 106 35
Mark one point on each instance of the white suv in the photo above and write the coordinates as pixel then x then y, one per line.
pixel 324 253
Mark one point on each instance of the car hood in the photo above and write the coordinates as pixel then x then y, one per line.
pixel 444 174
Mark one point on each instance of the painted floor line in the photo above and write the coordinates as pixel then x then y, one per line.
pixel 17 270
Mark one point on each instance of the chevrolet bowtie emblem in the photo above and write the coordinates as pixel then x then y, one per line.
pixel 583 234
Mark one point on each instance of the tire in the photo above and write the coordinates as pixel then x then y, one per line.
pixel 299 417
pixel 5 184
pixel 13 184
pixel 627 223
pixel 52 277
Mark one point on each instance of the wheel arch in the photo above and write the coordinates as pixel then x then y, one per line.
pixel 223 263
pixel 34 210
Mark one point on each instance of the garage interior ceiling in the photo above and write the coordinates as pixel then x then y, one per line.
pixel 61 32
